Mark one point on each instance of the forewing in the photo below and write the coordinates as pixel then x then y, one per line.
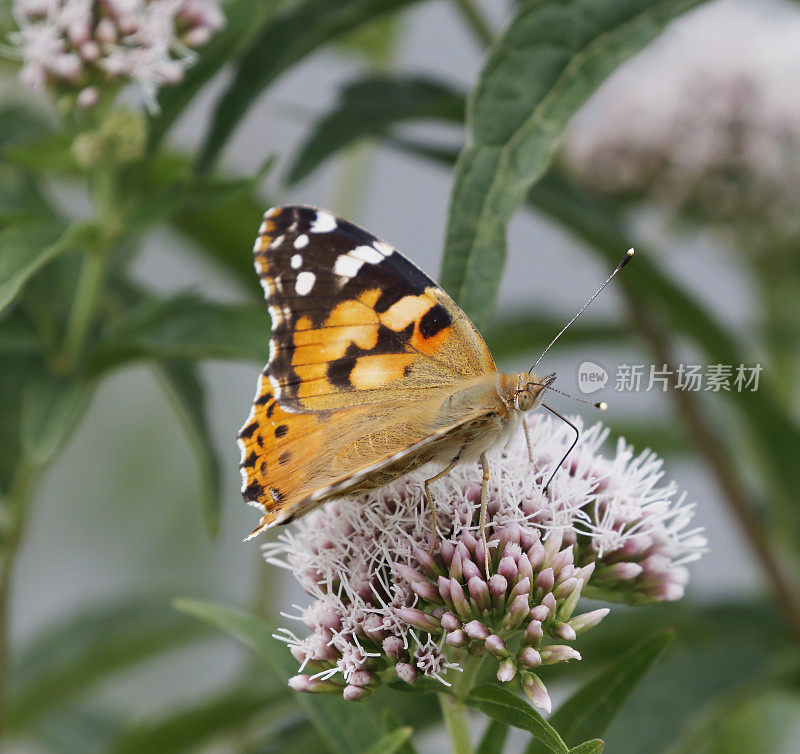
pixel 353 321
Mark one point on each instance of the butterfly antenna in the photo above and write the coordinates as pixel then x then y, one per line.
pixel 602 405
pixel 627 258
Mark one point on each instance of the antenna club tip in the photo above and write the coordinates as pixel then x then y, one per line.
pixel 602 405
pixel 627 258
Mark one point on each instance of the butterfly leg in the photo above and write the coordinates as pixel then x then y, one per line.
pixel 528 439
pixel 450 466
pixel 484 501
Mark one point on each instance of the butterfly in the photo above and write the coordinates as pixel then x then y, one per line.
pixel 373 372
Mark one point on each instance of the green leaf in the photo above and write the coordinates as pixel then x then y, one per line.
pixel 185 391
pixel 51 411
pixel 47 153
pixel 345 727
pixel 392 723
pixel 203 722
pixel 500 704
pixel 391 742
pixel 281 43
pixel 553 55
pixel 588 747
pixel 590 710
pixel 368 107
pixel 494 738
pixel 184 327
pixel 24 250
pixel 80 651
pixel 718 649
pixel 224 232
pixel 242 19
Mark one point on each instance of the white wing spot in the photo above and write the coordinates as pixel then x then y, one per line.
pixel 272 212
pixel 262 229
pixel 296 261
pixel 384 248
pixel 324 222
pixel 301 241
pixel 257 245
pixel 305 282
pixel 367 254
pixel 347 266
pixel 277 242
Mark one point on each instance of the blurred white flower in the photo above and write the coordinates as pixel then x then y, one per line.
pixel 385 609
pixel 81 45
pixel 706 121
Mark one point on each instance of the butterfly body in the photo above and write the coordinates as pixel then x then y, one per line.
pixel 373 370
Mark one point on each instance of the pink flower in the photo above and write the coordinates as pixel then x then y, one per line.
pixel 381 603
pixel 79 45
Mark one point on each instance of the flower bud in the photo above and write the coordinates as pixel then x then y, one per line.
pixel 418 619
pixel 456 638
pixel 537 693
pixel 459 600
pixel 353 693
pixel 529 657
pixel 583 622
pixel 558 653
pixel 534 632
pixel 476 630
pixel 516 611
pixel 479 594
pixel 506 671
pixel 450 622
pixel 496 646
pixel 406 672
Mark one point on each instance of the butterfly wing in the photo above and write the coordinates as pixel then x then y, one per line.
pixel 352 318
pixel 291 461
pixel 365 350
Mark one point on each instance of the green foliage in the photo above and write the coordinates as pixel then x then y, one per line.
pixel 72 312
pixel 590 710
pixel 344 727
pixel 501 704
pixel 368 107
pixel 281 43
pixel 551 58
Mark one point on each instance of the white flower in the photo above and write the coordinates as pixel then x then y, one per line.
pixel 80 45
pixel 383 605
pixel 706 121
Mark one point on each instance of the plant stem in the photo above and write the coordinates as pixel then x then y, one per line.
pixel 454 711
pixel 725 472
pixel 478 25
pixel 14 514
pixel 455 719
pixel 83 304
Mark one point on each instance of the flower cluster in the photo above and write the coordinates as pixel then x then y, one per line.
pixel 80 45
pixel 705 122
pixel 384 608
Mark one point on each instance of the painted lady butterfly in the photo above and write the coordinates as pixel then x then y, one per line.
pixel 373 371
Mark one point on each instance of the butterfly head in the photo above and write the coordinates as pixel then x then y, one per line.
pixel 531 389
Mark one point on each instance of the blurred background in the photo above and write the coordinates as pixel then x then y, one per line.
pixel 696 140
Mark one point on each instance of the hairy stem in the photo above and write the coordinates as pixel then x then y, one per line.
pixel 14 514
pixel 476 21
pixel 724 470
